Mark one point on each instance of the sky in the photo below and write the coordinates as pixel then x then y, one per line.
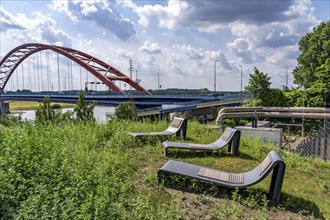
pixel 186 42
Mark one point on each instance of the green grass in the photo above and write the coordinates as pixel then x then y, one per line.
pixel 21 105
pixel 97 171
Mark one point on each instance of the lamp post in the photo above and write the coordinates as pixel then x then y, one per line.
pixel 303 116
pixel 215 75
pixel 241 81
pixel 303 102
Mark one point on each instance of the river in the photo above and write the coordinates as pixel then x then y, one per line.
pixel 99 113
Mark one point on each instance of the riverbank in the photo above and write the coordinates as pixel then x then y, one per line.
pixel 21 105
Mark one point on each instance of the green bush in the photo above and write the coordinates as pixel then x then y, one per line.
pixel 83 111
pixel 126 110
pixel 46 114
pixel 9 120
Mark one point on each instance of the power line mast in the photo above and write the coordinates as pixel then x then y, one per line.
pixel 285 78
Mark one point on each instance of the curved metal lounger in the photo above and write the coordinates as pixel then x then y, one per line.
pixel 273 161
pixel 178 127
pixel 230 137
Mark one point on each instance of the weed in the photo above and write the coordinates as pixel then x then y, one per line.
pixel 236 212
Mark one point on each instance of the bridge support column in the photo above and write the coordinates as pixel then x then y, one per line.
pixel 4 107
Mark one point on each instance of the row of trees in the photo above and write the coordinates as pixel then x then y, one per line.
pixel 81 113
pixel 311 75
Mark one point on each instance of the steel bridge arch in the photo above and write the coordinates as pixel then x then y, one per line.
pixel 95 66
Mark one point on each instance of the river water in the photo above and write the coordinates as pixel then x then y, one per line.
pixel 100 113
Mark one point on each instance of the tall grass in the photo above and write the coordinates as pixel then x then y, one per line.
pixel 98 171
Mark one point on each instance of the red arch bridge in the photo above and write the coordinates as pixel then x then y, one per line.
pixel 106 73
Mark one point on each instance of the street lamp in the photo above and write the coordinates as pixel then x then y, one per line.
pixel 241 80
pixel 215 75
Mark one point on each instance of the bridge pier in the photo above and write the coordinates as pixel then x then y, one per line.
pixel 4 107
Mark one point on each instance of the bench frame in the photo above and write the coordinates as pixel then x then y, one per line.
pixel 273 162
pixel 230 137
pixel 178 126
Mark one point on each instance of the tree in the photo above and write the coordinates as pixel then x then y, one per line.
pixel 126 110
pixel 277 98
pixel 83 111
pixel 259 86
pixel 295 97
pixel 315 50
pixel 321 87
pixel 45 113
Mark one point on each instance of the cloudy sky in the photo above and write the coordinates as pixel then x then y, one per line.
pixel 180 39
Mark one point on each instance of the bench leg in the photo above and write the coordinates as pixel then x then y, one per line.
pixel 165 151
pixel 276 183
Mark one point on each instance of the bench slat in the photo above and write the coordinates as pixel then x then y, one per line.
pixel 264 164
pixel 213 174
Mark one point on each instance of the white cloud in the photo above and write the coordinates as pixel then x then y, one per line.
pixel 124 54
pixel 46 27
pixel 241 48
pixel 274 42
pixel 209 16
pixel 100 13
pixel 88 9
pixel 201 56
pixel 166 16
pixel 190 52
pixel 286 56
pixel 8 21
pixel 256 25
pixel 278 33
pixel 40 29
pixel 177 65
pixel 224 62
pixel 150 48
pixel 148 63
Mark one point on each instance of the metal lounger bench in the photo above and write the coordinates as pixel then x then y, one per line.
pixel 230 137
pixel 178 127
pixel 273 161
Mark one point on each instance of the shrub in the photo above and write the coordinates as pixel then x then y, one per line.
pixel 45 113
pixel 83 111
pixel 126 110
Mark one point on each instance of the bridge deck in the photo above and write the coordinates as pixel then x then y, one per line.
pixel 147 104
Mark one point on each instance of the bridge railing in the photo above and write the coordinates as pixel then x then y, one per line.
pixel 149 109
pixel 175 105
pixel 182 105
